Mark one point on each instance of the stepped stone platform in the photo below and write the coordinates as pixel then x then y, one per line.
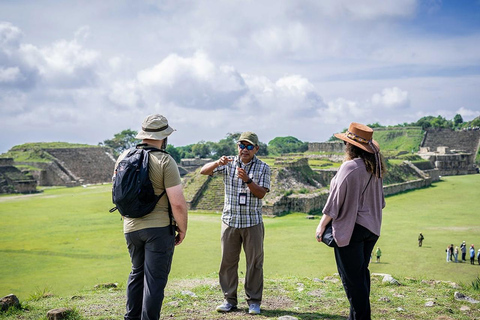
pixel 451 152
pixel 74 166
pixel 12 180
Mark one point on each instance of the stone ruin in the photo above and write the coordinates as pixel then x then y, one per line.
pixel 451 152
pixel 63 167
pixel 12 180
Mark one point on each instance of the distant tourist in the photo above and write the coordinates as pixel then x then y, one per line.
pixel 451 252
pixel 356 214
pixel 378 253
pixel 472 254
pixel 478 256
pixel 448 253
pixel 455 254
pixel 151 239
pixel 420 239
pixel 247 181
pixel 463 248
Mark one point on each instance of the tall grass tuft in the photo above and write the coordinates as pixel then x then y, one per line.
pixel 476 284
pixel 40 294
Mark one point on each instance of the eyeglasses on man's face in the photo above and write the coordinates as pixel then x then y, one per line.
pixel 248 146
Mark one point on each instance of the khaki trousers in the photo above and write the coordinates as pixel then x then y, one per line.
pixel 232 240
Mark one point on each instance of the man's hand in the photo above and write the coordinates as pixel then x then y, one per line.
pixel 224 160
pixel 179 236
pixel 242 174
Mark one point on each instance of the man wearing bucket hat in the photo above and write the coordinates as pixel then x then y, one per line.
pixel 149 238
pixel 354 206
pixel 246 180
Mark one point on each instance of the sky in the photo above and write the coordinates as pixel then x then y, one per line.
pixel 83 71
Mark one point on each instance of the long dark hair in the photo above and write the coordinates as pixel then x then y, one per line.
pixel 368 158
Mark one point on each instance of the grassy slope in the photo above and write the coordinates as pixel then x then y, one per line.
pixel 399 139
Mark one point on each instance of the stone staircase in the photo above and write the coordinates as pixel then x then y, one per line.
pixel 212 196
pixel 463 140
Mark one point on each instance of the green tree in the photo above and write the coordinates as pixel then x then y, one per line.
pixel 457 120
pixel 201 149
pixel 424 122
pixel 121 141
pixel 186 151
pixel 263 151
pixel 288 144
pixel 226 146
pixel 174 152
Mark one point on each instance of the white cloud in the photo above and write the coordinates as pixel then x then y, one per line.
pixel 10 36
pixel 341 109
pixel 192 82
pixel 391 98
pixel 10 75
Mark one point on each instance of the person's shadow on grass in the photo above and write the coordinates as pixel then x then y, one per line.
pixel 301 315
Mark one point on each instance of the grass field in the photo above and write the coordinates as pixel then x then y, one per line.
pixel 64 240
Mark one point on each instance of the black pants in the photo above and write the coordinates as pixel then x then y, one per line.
pixel 151 252
pixel 352 264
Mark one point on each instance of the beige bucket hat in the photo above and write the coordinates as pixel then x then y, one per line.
pixel 155 127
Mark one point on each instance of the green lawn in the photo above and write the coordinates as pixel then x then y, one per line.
pixel 64 239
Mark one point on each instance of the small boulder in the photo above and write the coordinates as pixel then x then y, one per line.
pixel 460 296
pixel 59 313
pixel 389 279
pixel 9 301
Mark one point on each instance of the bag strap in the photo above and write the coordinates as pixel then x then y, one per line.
pixel 148 148
pixel 367 184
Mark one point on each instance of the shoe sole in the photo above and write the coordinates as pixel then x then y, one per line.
pixel 225 311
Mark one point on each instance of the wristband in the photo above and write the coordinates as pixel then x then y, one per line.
pixel 249 181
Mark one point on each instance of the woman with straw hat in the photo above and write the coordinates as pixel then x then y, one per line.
pixel 354 206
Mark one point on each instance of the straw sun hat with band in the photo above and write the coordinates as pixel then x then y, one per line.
pixel 362 136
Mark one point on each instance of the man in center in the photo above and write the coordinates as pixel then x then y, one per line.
pixel 247 181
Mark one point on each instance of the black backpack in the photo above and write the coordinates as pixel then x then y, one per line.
pixel 132 190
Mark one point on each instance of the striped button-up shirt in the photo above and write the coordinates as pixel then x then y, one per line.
pixel 234 214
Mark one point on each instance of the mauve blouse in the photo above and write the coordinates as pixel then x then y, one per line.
pixel 347 205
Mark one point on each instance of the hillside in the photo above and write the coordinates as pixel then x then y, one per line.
pixel 399 139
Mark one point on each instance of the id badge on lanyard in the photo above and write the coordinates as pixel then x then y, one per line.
pixel 242 197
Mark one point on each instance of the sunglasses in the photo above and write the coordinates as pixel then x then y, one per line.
pixel 249 147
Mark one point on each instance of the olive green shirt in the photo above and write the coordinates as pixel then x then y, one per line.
pixel 163 172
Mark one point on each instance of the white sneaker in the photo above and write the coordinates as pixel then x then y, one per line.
pixel 226 307
pixel 254 308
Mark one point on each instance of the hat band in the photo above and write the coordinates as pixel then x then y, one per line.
pixel 354 137
pixel 154 130
pixel 374 148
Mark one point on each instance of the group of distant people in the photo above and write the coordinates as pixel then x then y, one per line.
pixel 453 251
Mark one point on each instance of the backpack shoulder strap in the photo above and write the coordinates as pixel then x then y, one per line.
pixel 148 148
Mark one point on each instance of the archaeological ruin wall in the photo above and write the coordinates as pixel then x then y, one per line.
pixel 73 167
pixel 12 180
pixel 451 152
pixel 330 147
